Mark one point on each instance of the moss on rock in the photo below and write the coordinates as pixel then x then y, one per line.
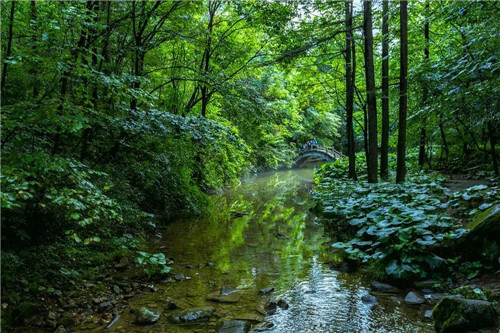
pixel 461 315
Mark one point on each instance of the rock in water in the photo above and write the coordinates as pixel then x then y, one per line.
pixel 144 316
pixel 192 315
pixel 264 326
pixel 369 299
pixel 234 326
pixel 283 304
pixel 462 315
pixel 179 277
pixel 280 236
pixel 170 304
pixel 271 306
pixel 225 296
pixel 225 290
pixel 267 290
pixel 384 288
pixel 413 298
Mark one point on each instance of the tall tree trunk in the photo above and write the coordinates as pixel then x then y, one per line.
pixel 384 145
pixel 423 132
pixel 492 133
pixel 9 47
pixel 349 91
pixel 370 93
pixel 34 71
pixel 205 96
pixel 403 90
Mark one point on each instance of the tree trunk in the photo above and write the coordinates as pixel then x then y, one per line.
pixel 403 89
pixel 351 153
pixel 34 71
pixel 9 47
pixel 370 94
pixel 423 133
pixel 384 145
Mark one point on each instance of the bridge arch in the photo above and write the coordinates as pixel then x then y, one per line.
pixel 325 153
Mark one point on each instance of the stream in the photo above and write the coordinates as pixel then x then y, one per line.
pixel 276 242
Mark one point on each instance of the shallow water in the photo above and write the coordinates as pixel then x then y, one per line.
pixel 280 243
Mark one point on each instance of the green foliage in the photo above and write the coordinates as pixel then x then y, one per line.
pixel 401 228
pixel 340 168
pixel 60 193
pixel 154 264
pixel 474 200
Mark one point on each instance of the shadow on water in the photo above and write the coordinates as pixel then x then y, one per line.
pixel 276 242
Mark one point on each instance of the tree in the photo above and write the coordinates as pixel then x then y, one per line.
pixel 349 79
pixel 403 90
pixel 8 53
pixel 425 91
pixel 384 145
pixel 370 93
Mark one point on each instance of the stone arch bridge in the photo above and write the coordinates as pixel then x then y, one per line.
pixel 328 154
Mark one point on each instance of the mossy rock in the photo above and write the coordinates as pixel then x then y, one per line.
pixel 482 240
pixel 144 316
pixel 462 315
pixel 486 224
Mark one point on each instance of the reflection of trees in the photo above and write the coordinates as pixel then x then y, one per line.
pixel 277 204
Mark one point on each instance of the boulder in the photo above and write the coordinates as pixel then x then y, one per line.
pixel 385 288
pixel 462 315
pixel 144 316
pixel 414 298
pixel 234 326
pixel 192 315
pixel 483 234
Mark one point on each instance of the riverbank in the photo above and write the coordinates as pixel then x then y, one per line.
pixel 428 236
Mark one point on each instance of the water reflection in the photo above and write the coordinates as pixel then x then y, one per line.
pixel 276 242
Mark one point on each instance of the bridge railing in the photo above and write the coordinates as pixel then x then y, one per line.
pixel 330 151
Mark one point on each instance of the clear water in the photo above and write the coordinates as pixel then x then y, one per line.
pixel 280 243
